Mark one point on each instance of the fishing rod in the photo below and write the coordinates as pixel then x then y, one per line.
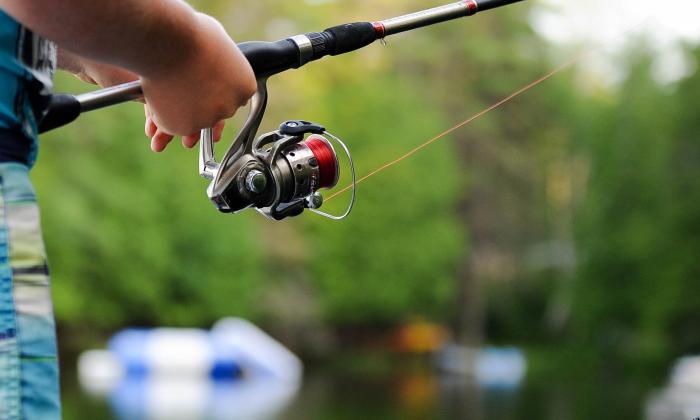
pixel 279 173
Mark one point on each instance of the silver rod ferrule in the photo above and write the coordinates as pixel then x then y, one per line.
pixel 429 17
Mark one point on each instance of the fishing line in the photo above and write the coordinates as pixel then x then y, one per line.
pixel 493 107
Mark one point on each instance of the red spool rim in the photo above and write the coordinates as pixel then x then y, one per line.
pixel 327 161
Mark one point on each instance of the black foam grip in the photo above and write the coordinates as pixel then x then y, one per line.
pixel 351 37
pixel 63 109
pixel 268 58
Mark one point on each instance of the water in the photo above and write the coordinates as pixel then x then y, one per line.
pixel 413 390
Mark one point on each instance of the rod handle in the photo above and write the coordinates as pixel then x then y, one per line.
pixel 269 58
pixel 63 109
pixel 350 37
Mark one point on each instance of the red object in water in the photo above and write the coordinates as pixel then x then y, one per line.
pixel 327 161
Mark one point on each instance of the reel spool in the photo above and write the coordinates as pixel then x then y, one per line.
pixel 279 173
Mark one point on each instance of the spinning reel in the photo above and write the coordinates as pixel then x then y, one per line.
pixel 279 173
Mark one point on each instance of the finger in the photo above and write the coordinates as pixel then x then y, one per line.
pixel 190 141
pixel 160 141
pixel 219 130
pixel 151 127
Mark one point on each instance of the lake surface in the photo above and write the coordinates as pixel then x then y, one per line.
pixel 411 390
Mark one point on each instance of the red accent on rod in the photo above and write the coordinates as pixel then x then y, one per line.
pixel 327 161
pixel 379 29
pixel 472 7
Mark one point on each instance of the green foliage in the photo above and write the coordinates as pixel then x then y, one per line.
pixel 396 256
pixel 637 229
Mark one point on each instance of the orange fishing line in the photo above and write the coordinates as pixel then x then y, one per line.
pixel 460 125
pixel 468 121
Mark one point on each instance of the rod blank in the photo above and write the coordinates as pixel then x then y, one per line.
pixel 428 17
pixel 439 14
pixel 492 4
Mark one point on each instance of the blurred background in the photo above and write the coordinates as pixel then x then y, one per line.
pixel 540 263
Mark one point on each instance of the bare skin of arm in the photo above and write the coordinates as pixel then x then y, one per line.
pixel 106 75
pixel 174 50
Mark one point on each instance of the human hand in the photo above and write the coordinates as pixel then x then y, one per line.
pixel 160 139
pixel 206 87
pixel 106 75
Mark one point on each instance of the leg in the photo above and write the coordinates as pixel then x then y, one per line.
pixel 34 364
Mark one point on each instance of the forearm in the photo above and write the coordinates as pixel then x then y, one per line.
pixel 69 61
pixel 165 43
pixel 146 37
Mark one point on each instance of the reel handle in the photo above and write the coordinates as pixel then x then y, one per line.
pixel 207 159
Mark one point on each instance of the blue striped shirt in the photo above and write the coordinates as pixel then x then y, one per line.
pixel 27 64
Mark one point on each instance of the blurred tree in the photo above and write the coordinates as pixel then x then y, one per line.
pixel 636 228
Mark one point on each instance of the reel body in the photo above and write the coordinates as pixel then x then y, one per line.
pixel 279 173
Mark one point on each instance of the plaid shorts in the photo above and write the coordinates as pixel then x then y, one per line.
pixel 28 356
